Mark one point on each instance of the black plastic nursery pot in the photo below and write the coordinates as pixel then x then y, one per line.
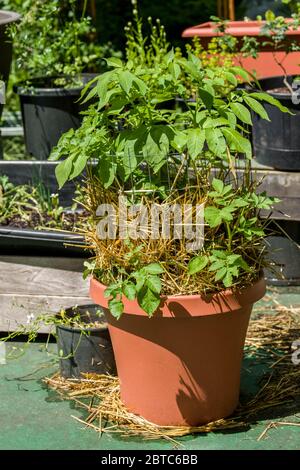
pixel 48 112
pixel 86 350
pixel 6 18
pixel 284 254
pixel 277 143
pixel 26 241
pixel 40 242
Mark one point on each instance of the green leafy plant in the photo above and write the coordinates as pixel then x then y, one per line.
pixel 53 39
pixel 76 319
pixel 274 36
pixel 135 142
pixel 34 207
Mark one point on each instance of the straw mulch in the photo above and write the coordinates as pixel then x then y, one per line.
pixel 269 341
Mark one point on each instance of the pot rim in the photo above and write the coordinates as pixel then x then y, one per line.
pixel 28 89
pixel 218 303
pixel 278 95
pixel 8 17
pixel 77 329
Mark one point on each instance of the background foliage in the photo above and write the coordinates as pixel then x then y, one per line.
pixel 176 15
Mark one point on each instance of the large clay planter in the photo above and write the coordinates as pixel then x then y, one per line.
pixel 264 65
pixel 181 367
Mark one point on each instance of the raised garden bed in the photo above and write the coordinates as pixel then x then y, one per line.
pixel 38 272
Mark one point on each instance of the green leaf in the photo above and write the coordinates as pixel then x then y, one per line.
pixel 197 264
pixel 174 70
pixel 241 112
pixel 129 164
pixel 153 268
pixel 169 57
pixel 231 117
pixel 226 213
pixel 93 90
pixel 227 280
pixel 114 62
pixel 126 79
pixel 257 107
pixel 63 171
pixel 129 290
pixel 141 85
pixel 231 78
pixel 157 145
pixel 220 254
pixel 239 142
pixel 112 290
pixel 179 141
pixel 220 273
pixel 218 185
pixel 206 97
pixel 271 100
pixel 213 216
pixel 195 142
pixel 116 307
pixel 195 60
pixel 148 300
pixel 241 72
pixel 102 88
pixel 216 265
pixel 79 165
pixel 154 283
pixel 107 169
pixel 215 141
pixel 140 278
pixel 270 15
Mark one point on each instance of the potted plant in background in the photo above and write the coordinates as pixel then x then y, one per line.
pixel 249 32
pixel 276 141
pixel 6 18
pixel 52 52
pixel 83 341
pixel 182 366
pixel 32 219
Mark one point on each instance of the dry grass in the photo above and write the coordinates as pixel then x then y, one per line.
pixel 173 254
pixel 269 337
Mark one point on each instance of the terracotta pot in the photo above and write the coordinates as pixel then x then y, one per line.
pixel 181 367
pixel 264 65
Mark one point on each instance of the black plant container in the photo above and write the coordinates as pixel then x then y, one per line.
pixel 284 254
pixel 85 351
pixel 277 143
pixel 6 17
pixel 48 112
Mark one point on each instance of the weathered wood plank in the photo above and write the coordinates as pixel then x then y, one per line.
pixel 15 308
pixel 42 276
pixel 285 186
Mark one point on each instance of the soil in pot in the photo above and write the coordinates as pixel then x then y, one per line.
pixel 181 367
pixel 48 111
pixel 33 207
pixel 277 143
pixel 69 220
pixel 85 346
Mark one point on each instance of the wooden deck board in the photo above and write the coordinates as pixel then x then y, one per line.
pixel 39 285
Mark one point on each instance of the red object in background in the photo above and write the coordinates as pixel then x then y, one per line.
pixel 264 65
